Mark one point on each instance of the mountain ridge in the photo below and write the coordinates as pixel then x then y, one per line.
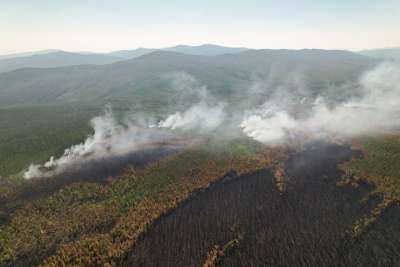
pixel 392 53
pixel 143 77
pixel 58 58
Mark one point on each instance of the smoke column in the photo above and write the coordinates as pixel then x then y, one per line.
pixel 376 111
pixel 205 114
pixel 109 139
pixel 285 114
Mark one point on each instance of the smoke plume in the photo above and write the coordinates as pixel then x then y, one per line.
pixel 285 112
pixel 375 111
pixel 205 113
pixel 113 139
pixel 201 116
pixel 109 139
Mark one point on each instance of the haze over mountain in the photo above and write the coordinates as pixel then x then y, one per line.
pixel 199 133
pixel 57 58
pixel 54 59
pixel 383 53
pixel 144 78
pixel 27 54
pixel 201 50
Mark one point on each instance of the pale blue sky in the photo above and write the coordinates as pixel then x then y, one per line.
pixel 100 25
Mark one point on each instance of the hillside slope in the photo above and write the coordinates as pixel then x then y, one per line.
pixel 57 58
pixel 383 53
pixel 199 50
pixel 143 78
pixel 54 59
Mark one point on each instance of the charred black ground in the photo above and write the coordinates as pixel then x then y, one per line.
pixel 309 224
pixel 96 170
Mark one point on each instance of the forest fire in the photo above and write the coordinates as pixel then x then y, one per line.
pixel 310 221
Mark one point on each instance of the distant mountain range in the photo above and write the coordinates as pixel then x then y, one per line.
pixel 54 59
pixel 27 54
pixel 142 79
pixel 57 58
pixel 201 50
pixel 383 53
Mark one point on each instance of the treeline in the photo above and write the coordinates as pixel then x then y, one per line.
pixel 95 222
pixel 310 223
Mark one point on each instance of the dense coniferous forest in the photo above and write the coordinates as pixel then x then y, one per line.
pixel 207 196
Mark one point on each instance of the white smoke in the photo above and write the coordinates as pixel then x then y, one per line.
pixel 378 110
pixel 275 121
pixel 201 116
pixel 272 126
pixel 185 88
pixel 205 114
pixel 109 139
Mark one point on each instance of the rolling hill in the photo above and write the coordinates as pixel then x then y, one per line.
pixel 57 58
pixel 143 78
pixel 383 53
pixel 54 59
pixel 319 203
pixel 200 50
pixel 28 54
pixel 69 96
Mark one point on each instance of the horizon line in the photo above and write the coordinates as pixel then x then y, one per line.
pixel 53 50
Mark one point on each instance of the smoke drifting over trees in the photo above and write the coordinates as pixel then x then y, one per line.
pixel 375 110
pixel 271 111
pixel 110 139
pixel 206 112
